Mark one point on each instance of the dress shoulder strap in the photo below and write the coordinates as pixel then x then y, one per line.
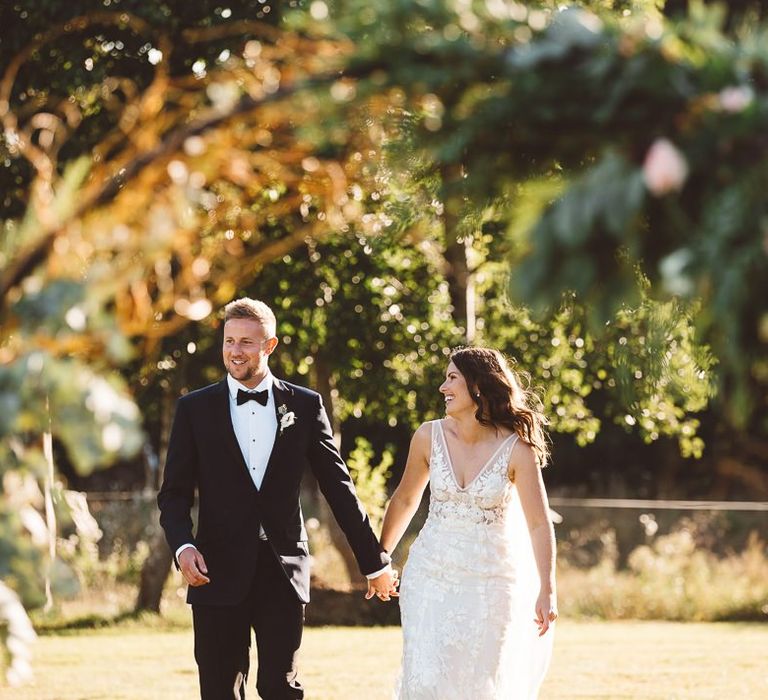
pixel 434 443
pixel 509 447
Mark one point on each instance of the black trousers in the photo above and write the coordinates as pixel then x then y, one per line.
pixel 223 637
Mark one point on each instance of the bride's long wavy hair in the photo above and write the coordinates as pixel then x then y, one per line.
pixel 503 400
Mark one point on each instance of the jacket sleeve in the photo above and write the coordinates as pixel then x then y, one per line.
pixel 177 494
pixel 337 487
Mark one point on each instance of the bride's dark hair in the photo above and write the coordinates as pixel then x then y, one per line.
pixel 501 398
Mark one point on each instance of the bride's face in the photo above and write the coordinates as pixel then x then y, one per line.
pixel 456 392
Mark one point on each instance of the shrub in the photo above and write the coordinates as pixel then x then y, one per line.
pixel 672 577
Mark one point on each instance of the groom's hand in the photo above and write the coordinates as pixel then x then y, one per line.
pixel 193 567
pixel 384 586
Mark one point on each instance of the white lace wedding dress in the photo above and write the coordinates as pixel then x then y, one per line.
pixel 469 590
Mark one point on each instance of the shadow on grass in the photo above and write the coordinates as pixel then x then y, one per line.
pixel 46 624
pixel 328 607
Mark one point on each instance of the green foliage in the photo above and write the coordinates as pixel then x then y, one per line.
pixel 371 313
pixel 580 238
pixel 645 370
pixel 370 480
pixel 670 578
pixel 482 195
pixel 92 414
pixel 88 64
pixel 20 560
pixel 95 422
pixel 661 371
pixel 25 536
pixel 575 95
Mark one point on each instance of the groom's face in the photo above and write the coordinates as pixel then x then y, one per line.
pixel 246 347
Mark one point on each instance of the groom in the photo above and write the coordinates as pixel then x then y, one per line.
pixel 243 444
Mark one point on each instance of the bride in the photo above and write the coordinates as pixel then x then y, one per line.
pixel 478 590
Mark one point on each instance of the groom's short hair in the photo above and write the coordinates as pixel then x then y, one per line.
pixel 252 308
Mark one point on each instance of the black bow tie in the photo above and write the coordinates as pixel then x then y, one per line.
pixel 260 396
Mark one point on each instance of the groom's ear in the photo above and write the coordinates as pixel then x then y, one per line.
pixel 271 345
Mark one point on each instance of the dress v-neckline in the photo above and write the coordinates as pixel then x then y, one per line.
pixel 489 461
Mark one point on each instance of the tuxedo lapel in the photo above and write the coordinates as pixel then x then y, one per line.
pixel 223 417
pixel 283 395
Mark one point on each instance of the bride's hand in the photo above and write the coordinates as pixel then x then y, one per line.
pixel 546 611
pixel 384 586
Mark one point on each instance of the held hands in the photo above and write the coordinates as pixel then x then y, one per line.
pixel 384 586
pixel 193 567
pixel 546 611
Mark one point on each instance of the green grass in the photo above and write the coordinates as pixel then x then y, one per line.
pixel 648 660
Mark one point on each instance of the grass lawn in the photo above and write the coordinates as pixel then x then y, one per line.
pixel 647 660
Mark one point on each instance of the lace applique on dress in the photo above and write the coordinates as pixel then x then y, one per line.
pixel 483 500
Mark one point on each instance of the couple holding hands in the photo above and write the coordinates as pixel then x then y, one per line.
pixel 478 590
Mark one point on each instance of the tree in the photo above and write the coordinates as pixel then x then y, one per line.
pixel 565 106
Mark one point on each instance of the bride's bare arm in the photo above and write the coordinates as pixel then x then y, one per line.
pixel 407 496
pixel 533 498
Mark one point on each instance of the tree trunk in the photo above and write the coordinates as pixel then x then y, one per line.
pixel 459 277
pixel 154 573
pixel 156 568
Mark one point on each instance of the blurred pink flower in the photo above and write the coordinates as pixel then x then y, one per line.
pixel 736 98
pixel 665 168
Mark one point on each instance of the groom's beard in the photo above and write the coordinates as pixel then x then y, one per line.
pixel 245 372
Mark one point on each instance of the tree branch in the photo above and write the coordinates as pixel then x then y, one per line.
pixel 37 253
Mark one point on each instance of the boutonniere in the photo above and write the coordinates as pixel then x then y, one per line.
pixel 287 418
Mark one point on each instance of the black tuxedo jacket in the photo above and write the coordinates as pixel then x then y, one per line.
pixel 204 455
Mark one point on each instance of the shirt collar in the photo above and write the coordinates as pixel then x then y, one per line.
pixel 234 385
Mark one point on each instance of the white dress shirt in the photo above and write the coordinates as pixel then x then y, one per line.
pixel 255 426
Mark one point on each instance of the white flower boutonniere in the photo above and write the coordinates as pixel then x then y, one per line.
pixel 287 418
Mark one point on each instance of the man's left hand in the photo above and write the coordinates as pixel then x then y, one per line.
pixel 384 586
